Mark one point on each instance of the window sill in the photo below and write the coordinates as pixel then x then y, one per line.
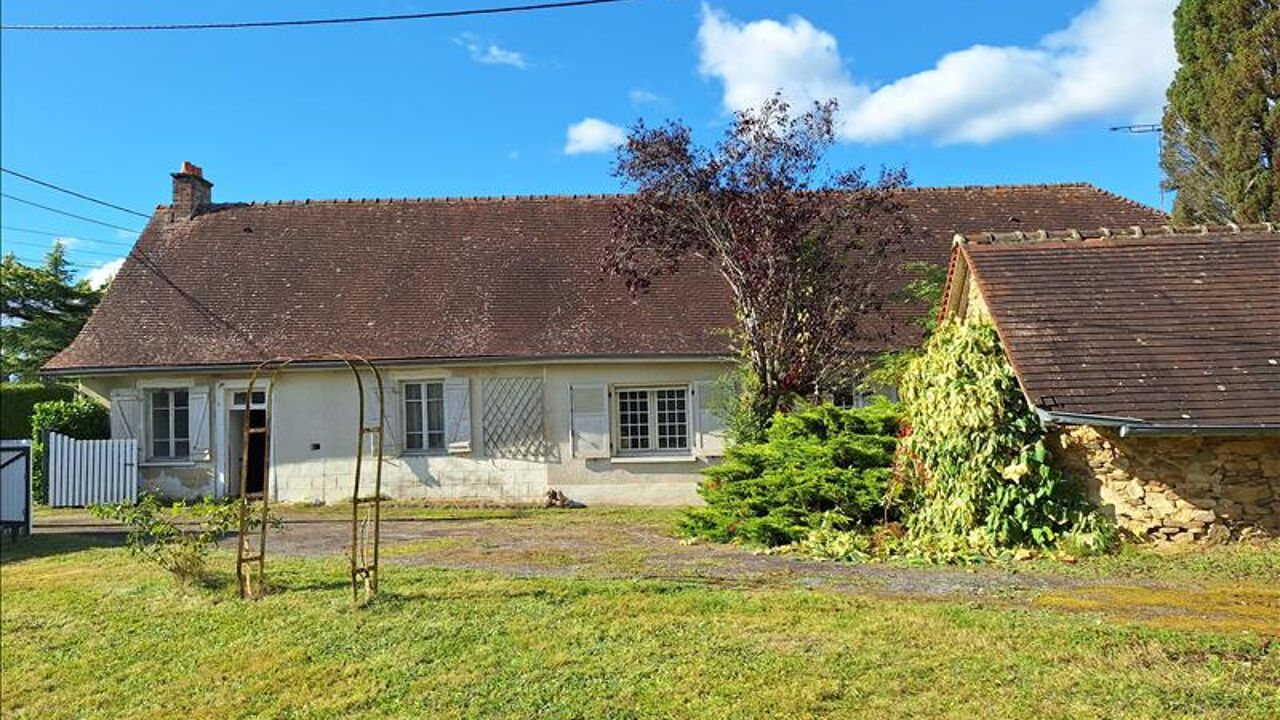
pixel 167 463
pixel 422 453
pixel 651 459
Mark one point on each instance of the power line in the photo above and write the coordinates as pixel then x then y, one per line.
pixel 64 212
pixel 108 243
pixel 33 246
pixel 317 21
pixel 73 193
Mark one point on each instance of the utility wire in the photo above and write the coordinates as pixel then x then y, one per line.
pixel 317 21
pixel 36 245
pixel 64 212
pixel 73 193
pixel 108 243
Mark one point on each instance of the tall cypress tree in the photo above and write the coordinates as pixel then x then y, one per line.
pixel 43 309
pixel 1222 121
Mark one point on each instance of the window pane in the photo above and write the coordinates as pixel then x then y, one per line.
pixel 673 419
pixel 413 441
pixel 238 398
pixel 181 449
pixel 160 399
pixel 259 397
pixel 159 424
pixel 181 428
pixel 412 391
pixel 435 415
pixel 435 391
pixel 435 440
pixel 413 416
pixel 179 398
pixel 159 449
pixel 633 419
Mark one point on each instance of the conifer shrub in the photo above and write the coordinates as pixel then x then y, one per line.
pixel 818 467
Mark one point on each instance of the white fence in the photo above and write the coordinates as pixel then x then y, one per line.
pixel 86 472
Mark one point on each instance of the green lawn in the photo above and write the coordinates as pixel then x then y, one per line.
pixel 86 632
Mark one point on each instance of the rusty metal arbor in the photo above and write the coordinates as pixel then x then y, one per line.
pixel 251 549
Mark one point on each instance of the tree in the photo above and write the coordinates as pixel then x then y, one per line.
pixel 43 309
pixel 803 250
pixel 1222 121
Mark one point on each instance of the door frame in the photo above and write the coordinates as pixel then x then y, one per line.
pixel 223 399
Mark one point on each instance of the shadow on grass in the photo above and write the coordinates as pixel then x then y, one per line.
pixel 28 547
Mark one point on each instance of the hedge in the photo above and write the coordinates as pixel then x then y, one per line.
pixel 17 401
pixel 82 419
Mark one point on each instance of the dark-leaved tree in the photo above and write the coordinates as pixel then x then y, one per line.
pixel 1222 121
pixel 804 250
pixel 43 309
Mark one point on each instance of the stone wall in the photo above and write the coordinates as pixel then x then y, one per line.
pixel 1178 488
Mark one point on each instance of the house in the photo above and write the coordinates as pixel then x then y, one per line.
pixel 513 364
pixel 1154 354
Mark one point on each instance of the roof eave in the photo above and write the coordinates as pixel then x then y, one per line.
pixel 1136 427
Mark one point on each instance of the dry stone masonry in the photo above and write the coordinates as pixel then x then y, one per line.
pixel 1178 488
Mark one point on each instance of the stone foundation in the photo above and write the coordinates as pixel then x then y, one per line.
pixel 1178 488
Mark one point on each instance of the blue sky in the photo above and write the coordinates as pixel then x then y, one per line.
pixel 985 91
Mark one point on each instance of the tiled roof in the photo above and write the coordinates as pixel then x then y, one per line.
pixel 465 278
pixel 1159 326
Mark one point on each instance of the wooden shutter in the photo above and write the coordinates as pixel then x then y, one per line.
pixel 457 415
pixel 126 415
pixel 589 420
pixel 391 418
pixel 198 418
pixel 710 424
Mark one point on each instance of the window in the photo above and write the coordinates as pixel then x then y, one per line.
pixel 170 425
pixel 653 420
pixel 850 395
pixel 259 399
pixel 424 416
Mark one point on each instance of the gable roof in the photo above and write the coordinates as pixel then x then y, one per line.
pixel 447 279
pixel 1162 328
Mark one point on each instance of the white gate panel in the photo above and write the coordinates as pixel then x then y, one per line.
pixel 15 484
pixel 89 472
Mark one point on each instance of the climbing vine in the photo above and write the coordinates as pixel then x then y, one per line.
pixel 974 461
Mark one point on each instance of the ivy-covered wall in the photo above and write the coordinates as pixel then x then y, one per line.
pixel 1178 488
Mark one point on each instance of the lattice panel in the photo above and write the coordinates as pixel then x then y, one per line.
pixel 513 426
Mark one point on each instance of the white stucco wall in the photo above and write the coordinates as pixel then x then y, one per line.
pixel 313 407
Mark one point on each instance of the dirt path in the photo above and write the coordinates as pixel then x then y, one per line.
pixel 592 545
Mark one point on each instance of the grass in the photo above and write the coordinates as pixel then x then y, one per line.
pixel 87 632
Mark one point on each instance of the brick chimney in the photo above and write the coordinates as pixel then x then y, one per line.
pixel 190 191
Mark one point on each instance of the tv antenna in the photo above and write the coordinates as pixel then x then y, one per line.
pixel 1143 129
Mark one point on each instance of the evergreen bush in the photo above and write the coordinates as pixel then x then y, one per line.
pixel 818 467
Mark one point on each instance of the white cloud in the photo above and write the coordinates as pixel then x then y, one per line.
pixel 640 96
pixel 756 59
pixel 490 53
pixel 104 273
pixel 1115 59
pixel 593 135
pixel 68 242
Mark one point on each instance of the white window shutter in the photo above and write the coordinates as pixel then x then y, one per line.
pixel 711 425
pixel 198 417
pixel 589 420
pixel 392 410
pixel 126 415
pixel 457 415
pixel 391 421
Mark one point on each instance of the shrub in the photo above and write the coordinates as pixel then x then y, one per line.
pixel 819 466
pixel 17 401
pixel 974 459
pixel 82 419
pixel 156 536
